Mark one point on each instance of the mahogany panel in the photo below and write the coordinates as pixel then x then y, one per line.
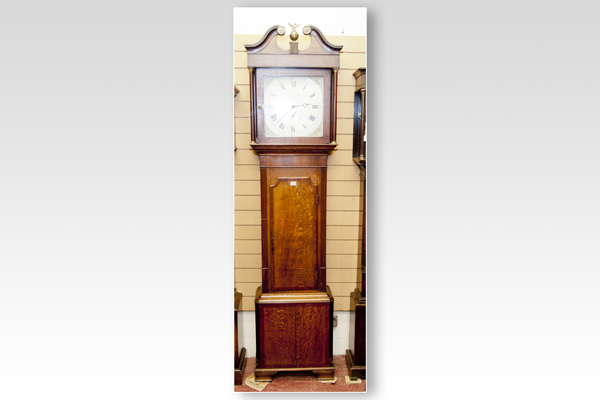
pixel 293 160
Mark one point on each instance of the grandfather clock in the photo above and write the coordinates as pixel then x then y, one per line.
pixel 356 356
pixel 293 125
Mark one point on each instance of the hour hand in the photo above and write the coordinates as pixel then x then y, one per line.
pixel 284 114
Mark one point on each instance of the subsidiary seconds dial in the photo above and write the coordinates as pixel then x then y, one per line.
pixel 293 106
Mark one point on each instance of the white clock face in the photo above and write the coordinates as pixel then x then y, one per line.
pixel 293 106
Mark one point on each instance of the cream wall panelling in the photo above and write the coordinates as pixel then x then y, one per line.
pixel 253 261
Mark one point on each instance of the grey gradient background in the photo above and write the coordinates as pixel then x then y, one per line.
pixel 116 198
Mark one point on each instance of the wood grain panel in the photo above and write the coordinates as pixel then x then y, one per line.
pixel 312 338
pixel 294 330
pixel 294 160
pixel 278 342
pixel 294 234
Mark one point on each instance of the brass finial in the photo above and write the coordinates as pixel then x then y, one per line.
pixel 294 35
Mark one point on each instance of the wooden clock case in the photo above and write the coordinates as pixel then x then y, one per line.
pixel 294 305
pixel 239 355
pixel 356 356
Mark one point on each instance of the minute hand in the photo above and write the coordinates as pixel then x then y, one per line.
pixel 288 111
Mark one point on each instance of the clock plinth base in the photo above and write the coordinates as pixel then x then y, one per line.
pixel 239 357
pixel 356 357
pixel 266 374
pixel 294 333
pixel 239 368
pixel 354 371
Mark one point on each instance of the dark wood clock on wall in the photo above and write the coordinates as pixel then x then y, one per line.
pixel 293 97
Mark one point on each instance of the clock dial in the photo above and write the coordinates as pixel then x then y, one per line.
pixel 293 106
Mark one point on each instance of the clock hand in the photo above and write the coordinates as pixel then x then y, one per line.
pixel 289 118
pixel 286 113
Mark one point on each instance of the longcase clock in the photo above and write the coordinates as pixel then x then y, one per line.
pixel 293 130
pixel 356 356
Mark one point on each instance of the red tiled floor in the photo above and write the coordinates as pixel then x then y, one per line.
pixel 304 381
